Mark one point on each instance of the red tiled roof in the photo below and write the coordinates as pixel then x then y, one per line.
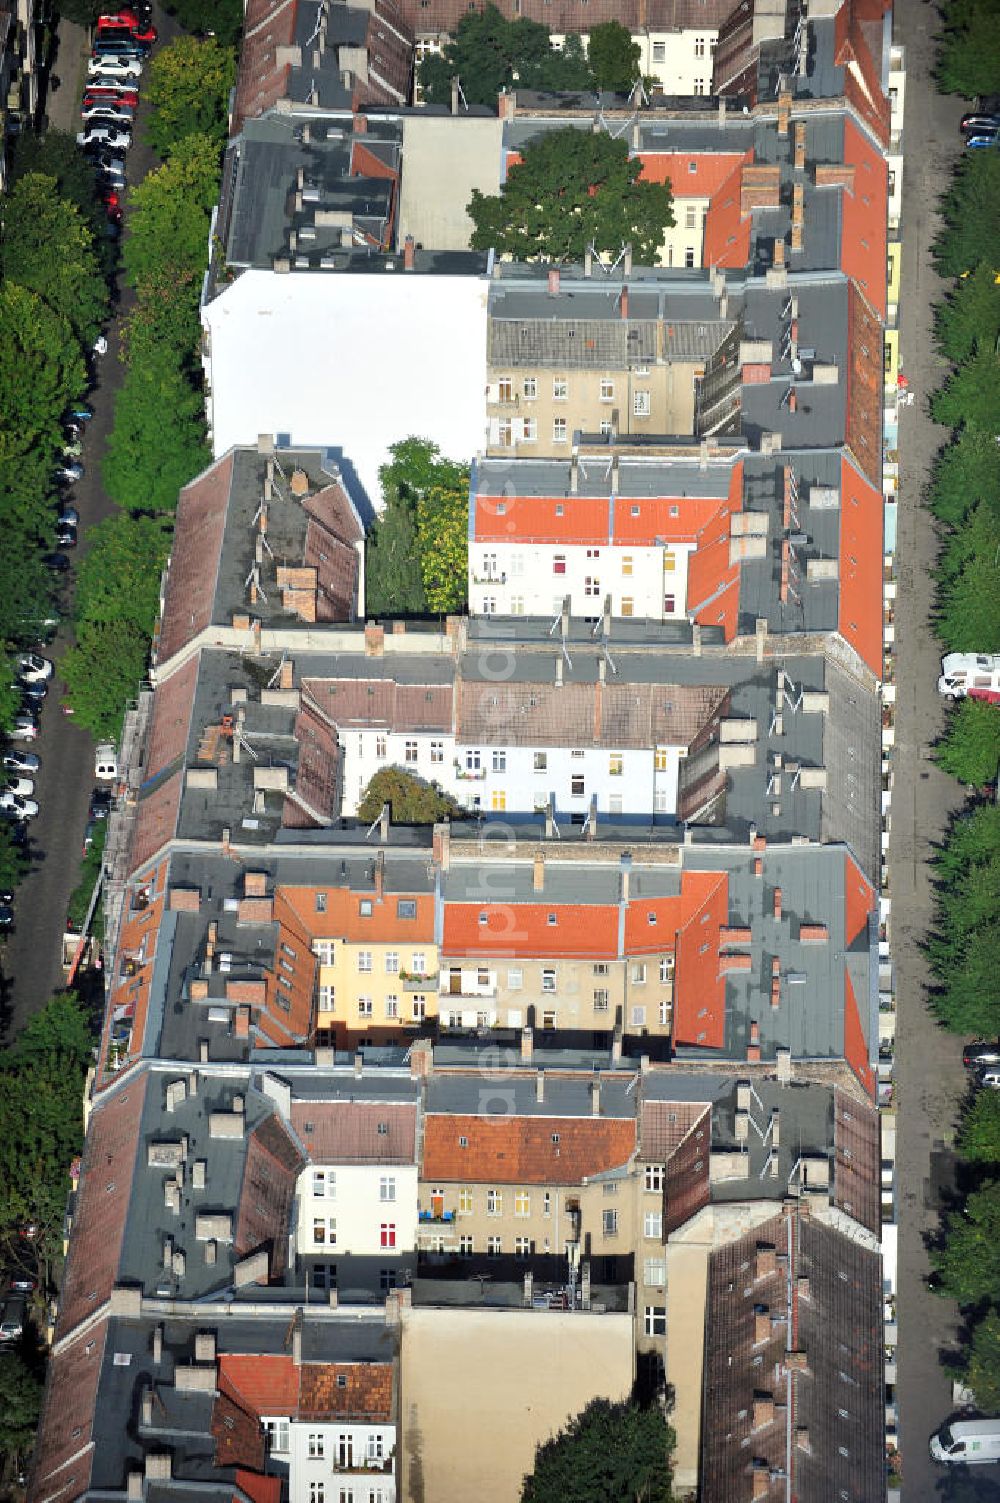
pixel 613 715
pixel 727 229
pixel 137 938
pixel 663 1126
pixel 347 1132
pixel 713 576
pixel 261 1384
pixel 586 520
pixel 859 898
pixel 364 1395
pixel 863 219
pixel 267 1193
pixel 258 1489
pixel 711 170
pixel 862 83
pixel 524 929
pixel 194 558
pixel 101 1205
pixel 342 917
pixel 860 605
pixel 238 1436
pixel 380 702
pixel 855 1044
pixel 316 772
pixel 699 987
pixel 524 1150
pixel 64 1446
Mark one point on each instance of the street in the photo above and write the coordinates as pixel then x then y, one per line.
pixel 930 1080
pixel 30 958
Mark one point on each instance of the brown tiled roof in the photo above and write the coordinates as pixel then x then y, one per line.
pixel 347 1132
pixel 664 1124
pixel 332 508
pixel 336 565
pixel 194 558
pixel 238 1435
pixel 365 1395
pixel 101 1205
pixel 267 1193
pixel 379 702
pixel 160 794
pixel 688 1184
pixel 857 1147
pixel 611 715
pixel 565 16
pixel 64 1447
pixel 259 1383
pixel 524 1150
pixel 260 82
pixel 317 771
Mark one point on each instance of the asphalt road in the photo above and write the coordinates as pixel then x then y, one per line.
pixel 30 959
pixel 930 1080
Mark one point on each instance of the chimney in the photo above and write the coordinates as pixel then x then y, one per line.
pixel 626 870
pixel 454 95
pixel 380 876
pixel 442 845
pixel 538 872
pixel 800 145
pixel 133 1485
pixel 147 1406
pixel 588 261
pixel 574 473
pixel 777 902
pixel 624 302
pixel 763 1411
pixel 802 1438
pixel 595 1097
pixel 793 401
pixel 408 249
pixel 784 111
pixel 628 259
pixel 527 1045
pixel 359 1065
pixel 614 474
pixel 559 671
pixel 761 1325
pixel 297 1345
pixel 157 1344
pixel 540 1085
pixel 779 250
pixel 554 281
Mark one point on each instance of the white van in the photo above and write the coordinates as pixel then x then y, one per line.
pixel 106 762
pixel 974 1442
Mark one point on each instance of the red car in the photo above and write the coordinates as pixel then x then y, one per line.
pixel 129 21
pixel 113 205
pixel 104 95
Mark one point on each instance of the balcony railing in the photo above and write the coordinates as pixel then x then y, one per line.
pixel 436 1218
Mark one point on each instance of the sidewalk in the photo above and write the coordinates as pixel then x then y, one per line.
pixel 63 103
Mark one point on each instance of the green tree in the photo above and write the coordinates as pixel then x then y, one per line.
pixel 968 1263
pixel 411 801
pixel 488 53
pixel 41 369
pixel 13 862
pixel 968 597
pixel 966 471
pixel 188 85
pixel 57 155
pixel 83 12
pixel 119 578
pixel 613 57
pixel 971 213
pixel 443 539
pixel 48 248
pixel 969 318
pixel 970 750
pixel 171 211
pixel 20 1406
pixel 970 398
pixel 10 697
pixel 573 188
pixel 609 1450
pixel 25 585
pixel 220 18
pixel 165 318
pixel 983 1368
pixel 979 1139
pixel 969 47
pixel 393 583
pixel 103 670
pixel 158 442
pixel 416 465
pixel 964 947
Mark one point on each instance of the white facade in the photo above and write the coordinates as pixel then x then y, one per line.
pixel 334 1462
pixel 348 361
pixel 518 579
pixel 366 752
pixel 521 779
pixel 364 1209
pixel 679 61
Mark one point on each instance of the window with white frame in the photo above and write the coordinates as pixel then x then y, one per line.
pixel 317 1492
pixel 666 968
pixel 418 965
pixel 465 1201
pixel 689 256
pixel 522 1203
pixel 505 433
pixel 607 390
pixel 540 761
pixel 559 430
pixel 276 1431
pixel 602 998
pixel 548 979
pixel 560 388
pixel 437 751
pixel 699 86
pixel 364 962
pixel 548 1019
pixel 392 962
pixel 530 430
pixel 523 1247
pixel 381 748
pixel 387 1187
pixel 653 1177
pixel 515 979
pixel 659 52
pixel 690 217
pixel 652 1225
pixel 465 1247
pixel 410 751
pixel 494 1202
pixel 473 760
pixel 376 1446
pixel 699 46
pixel 324 1231
pixel 639 973
pixel 324 1184
pixel 324 949
pixel 607 427
pixel 494 1247
pixel 316 1445
pixel 654 1271
pixel 387 1234
pixel 638 1017
pixel 391 1005
pixel 663 1014
pixel 609 1223
pixel 326 997
pixel 499 761
pixel 419 1009
pixel 505 389
pixel 656 1320
pixel 641 404
pixel 530 388
pixel 366 1007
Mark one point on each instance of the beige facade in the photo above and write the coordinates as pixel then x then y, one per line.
pixel 479 1389
pixel 564 992
pixel 378 986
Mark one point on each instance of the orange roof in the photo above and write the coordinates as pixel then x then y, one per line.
pixel 860 612
pixel 138 936
pixel 862 84
pixel 542 519
pixel 524 929
pixel 268 1385
pixel 855 1044
pixel 692 174
pixel 654 520
pixel 859 896
pixel 713 579
pixel 259 1489
pixel 342 917
pixel 863 233
pixel 727 230
pixel 524 1150
pixel 699 986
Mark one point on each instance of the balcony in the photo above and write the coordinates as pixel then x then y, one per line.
pixel 414 983
pixel 436 1218
pixel 469 774
pixel 489 579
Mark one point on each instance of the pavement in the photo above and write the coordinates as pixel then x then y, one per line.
pixel 930 1080
pixel 31 956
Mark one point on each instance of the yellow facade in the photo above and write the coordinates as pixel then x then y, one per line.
pixel 371 985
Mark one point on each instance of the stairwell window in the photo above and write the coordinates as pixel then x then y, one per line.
pixel 641 405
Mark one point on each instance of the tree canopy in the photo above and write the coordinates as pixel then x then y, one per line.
pixel 418 549
pixel 443 540
pixel 188 85
pixel 34 339
pixel 57 155
pixel 970 750
pixel 971 213
pixel 609 1451
pixel 968 1263
pixel 20 1406
pixel 394 585
pixel 47 247
pixel 573 188
pixel 970 398
pixel 220 18
pixel 966 471
pixel 964 947
pixel 979 1139
pixel 488 53
pixel 171 211
pixel 411 800
pixel 158 442
pixel 613 57
pixel 969 47
pixel 968 599
pixel 969 318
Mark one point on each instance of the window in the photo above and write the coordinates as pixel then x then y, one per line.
pixel 652 1224
pixel 387 1278
pixel 523 1247
pixel 576 786
pixel 699 46
pixel 317 1492
pixel 494 1202
pixel 410 751
pixel 324 1184
pixel 540 762
pixel 559 430
pixel 689 217
pixel 316 1445
pixel 465 1246
pixel 324 949
pixel 473 761
pixel 654 1177
pixel 365 1007
pixel 660 761
pixel 559 564
pixel 387 1187
pixel 387 1234
pixel 324 1275
pixel 321 902
pixel 547 1203
pixel 659 52
pixel 326 998
pixel 517 605
pixel 548 980
pixel 669 604
pixel 530 430
pixel 607 390
pixel 277 1436
pixel 639 974
pixel 663 1014
pixel 616 764
pixel 530 388
pixel 494 1246
pixel 325 1231
pixel 499 761
pixel 601 999
pixel 522 1203
pixel 609 1223
pixel 656 1320
pixel 392 1005
pixel 419 1009
pixel 638 1017
pixel 505 389
pixel 364 962
pixel 601 968
pixel 376 1447
pixel 437 751
pixel 667 968
pixel 614 803
pixel 505 433
pixel 419 963
pixel 689 255
pixel 515 980
pixel 699 86
pixel 607 427
pixel 640 404
pixel 654 1271
pixel 381 748
pixel 498 800
pixel 548 1019
pixel 560 388
pixel 591 585
pixel 627 564
pixel 465 1201
pixel 392 962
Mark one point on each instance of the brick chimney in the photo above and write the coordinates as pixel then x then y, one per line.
pixel 538 872
pixel 554 281
pixel 408 250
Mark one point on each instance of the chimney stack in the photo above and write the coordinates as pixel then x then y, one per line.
pixel 540 1086
pixel 454 96
pixel 588 261
pixel 595 1097
pixel 624 302
pixel 628 259
pixel 408 250
pixel 538 872
pixel 554 281
pixel 527 1045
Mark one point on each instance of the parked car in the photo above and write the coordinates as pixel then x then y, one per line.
pixel 69 471
pixel 106 762
pixel 119 115
pixel 68 516
pixel 981 140
pixel 80 413
pixel 24 727
pixel 105 135
pixel 112 176
pixel 20 761
pixel 23 786
pixel 969 1441
pixel 113 69
pixel 6 915
pixel 122 39
pixel 57 562
pixel 22 808
pixel 31 694
pixel 117 93
pixel 101 803
pixel 32 666
pixel 72 432
pixel 975 1056
pixel 12 1320
pixel 66 537
pixel 20 1282
pixel 120 47
pixel 974 122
